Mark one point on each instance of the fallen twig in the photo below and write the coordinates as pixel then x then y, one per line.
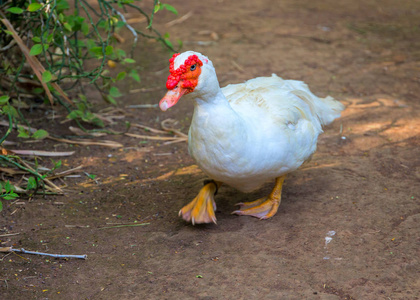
pixel 127 225
pixel 42 153
pixel 147 137
pixel 9 234
pixel 149 128
pixel 11 171
pixel 79 131
pixel 180 20
pixel 21 250
pixel 86 142
pixel 146 90
pixel 143 106
pixel 65 173
pixel 179 140
pixel 169 129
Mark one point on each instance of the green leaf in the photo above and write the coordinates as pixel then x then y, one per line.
pixel 85 28
pixel 82 97
pixel 180 44
pixel 129 60
pixel 1 206
pixel 75 114
pixel 46 76
pixel 120 24
pixel 120 76
pixel 169 8
pixel 23 133
pixel 111 100
pixel 34 7
pixel 50 38
pixel 62 5
pixel 38 91
pixel 8 187
pixel 97 51
pixel 120 53
pixel 67 26
pixel 40 134
pixel 57 165
pixel 8 109
pixel 114 92
pixel 8 32
pixel 15 10
pixel 35 50
pixel 133 74
pixel 168 42
pixel 10 196
pixel 109 50
pixel 36 39
pixel 97 122
pixel 104 24
pixel 31 183
pixel 82 106
pixel 157 8
pixel 4 99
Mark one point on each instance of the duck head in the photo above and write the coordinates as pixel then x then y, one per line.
pixel 189 72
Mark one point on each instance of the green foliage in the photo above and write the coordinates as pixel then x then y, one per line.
pixel 46 76
pixel 6 192
pixel 40 134
pixel 74 41
pixel 160 6
pixel 84 113
pixel 32 183
pixel 4 100
pixel 37 135
pixel 92 176
pixel 9 191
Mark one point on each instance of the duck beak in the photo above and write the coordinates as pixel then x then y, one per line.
pixel 172 97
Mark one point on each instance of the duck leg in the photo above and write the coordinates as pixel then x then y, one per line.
pixel 201 209
pixel 266 207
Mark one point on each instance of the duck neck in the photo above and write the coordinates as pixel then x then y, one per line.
pixel 211 98
pixel 214 116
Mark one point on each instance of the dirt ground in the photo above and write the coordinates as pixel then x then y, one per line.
pixel 363 183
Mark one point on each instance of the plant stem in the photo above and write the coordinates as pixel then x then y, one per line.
pixel 9 130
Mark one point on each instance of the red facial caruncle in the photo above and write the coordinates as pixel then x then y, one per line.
pixel 186 74
pixel 182 81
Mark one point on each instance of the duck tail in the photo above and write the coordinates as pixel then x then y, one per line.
pixel 328 109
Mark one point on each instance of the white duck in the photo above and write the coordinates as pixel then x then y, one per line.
pixel 245 134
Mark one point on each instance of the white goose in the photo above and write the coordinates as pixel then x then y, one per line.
pixel 245 134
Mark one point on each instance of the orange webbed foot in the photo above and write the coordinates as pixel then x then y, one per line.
pixel 263 208
pixel 202 208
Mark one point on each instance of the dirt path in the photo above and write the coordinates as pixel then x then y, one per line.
pixel 361 189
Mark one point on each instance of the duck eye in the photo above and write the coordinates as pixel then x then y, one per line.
pixel 193 67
